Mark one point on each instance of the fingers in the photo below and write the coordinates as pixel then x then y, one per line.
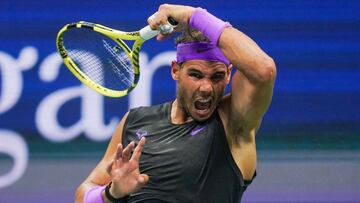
pixel 156 20
pixel 126 153
pixel 124 169
pixel 119 150
pixel 178 13
pixel 118 155
pixel 122 155
pixel 137 152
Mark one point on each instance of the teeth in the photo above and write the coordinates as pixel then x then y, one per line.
pixel 203 104
pixel 204 100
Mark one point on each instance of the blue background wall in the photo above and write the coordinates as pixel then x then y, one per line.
pixel 316 46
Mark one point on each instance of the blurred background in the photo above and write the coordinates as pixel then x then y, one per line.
pixel 53 130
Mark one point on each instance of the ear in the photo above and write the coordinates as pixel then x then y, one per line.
pixel 175 70
pixel 229 71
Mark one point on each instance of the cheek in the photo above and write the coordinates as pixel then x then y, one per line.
pixel 220 89
pixel 187 85
pixel 183 90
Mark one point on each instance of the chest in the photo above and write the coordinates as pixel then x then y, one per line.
pixel 184 162
pixel 173 149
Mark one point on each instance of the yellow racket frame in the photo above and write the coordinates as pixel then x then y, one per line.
pixel 118 37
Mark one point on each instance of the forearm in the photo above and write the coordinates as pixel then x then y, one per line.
pixel 247 56
pixel 97 178
pixel 81 190
pixel 84 188
pixel 242 51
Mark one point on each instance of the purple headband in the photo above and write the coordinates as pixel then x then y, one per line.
pixel 200 50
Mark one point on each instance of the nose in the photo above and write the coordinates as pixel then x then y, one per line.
pixel 206 86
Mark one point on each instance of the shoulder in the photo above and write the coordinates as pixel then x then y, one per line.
pixel 148 112
pixel 150 109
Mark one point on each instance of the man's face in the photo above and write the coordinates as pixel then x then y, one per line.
pixel 200 86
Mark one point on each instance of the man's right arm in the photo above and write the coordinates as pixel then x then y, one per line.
pixel 99 175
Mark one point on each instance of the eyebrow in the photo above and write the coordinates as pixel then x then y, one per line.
pixel 216 66
pixel 222 71
pixel 190 70
pixel 193 69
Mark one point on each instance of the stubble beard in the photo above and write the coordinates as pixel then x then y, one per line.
pixel 182 103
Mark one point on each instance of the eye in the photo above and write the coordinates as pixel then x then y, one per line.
pixel 218 76
pixel 195 75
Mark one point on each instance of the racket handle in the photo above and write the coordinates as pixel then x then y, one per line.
pixel 147 33
pixel 168 27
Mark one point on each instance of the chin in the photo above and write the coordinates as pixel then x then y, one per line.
pixel 202 116
pixel 200 120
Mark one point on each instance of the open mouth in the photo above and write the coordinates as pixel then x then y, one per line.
pixel 203 104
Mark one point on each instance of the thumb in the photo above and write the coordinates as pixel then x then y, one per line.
pixel 143 179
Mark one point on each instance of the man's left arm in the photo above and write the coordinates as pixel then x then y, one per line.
pixel 253 82
pixel 252 85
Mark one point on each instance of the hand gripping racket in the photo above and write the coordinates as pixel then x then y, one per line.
pixel 99 57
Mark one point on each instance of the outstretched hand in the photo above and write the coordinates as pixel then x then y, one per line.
pixel 124 170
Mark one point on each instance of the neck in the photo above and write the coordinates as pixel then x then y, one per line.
pixel 178 114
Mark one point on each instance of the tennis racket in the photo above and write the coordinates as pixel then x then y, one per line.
pixel 99 57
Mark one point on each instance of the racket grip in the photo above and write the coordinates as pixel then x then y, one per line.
pixel 168 28
pixel 147 33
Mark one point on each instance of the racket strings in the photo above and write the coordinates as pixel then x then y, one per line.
pixel 123 59
pixel 116 70
pixel 99 58
pixel 92 63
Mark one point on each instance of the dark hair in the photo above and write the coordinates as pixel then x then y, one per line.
pixel 191 35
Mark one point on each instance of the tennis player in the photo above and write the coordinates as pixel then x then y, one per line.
pixel 201 146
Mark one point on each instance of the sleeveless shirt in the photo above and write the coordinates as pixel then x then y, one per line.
pixel 186 163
